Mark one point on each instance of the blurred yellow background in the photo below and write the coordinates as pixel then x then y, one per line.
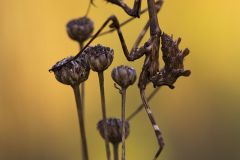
pixel 200 118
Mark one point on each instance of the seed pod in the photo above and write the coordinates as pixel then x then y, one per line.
pixel 114 126
pixel 72 73
pixel 80 29
pixel 99 57
pixel 124 76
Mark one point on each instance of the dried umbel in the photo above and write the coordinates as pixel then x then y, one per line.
pixel 73 72
pixel 114 127
pixel 173 58
pixel 124 76
pixel 80 29
pixel 99 57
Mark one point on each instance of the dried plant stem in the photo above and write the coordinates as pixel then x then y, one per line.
pixel 140 107
pixel 81 121
pixel 81 45
pixel 123 123
pixel 83 98
pixel 115 150
pixel 82 85
pixel 101 82
pixel 89 6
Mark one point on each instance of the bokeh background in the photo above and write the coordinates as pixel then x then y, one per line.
pixel 200 118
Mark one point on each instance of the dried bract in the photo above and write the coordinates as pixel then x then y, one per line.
pixel 114 126
pixel 99 57
pixel 173 58
pixel 73 72
pixel 80 29
pixel 124 76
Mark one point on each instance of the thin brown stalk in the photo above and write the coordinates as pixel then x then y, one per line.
pixel 81 121
pixel 102 93
pixel 123 123
pixel 115 150
pixel 81 45
pixel 89 6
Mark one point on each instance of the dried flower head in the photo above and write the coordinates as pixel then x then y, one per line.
pixel 124 76
pixel 99 57
pixel 80 29
pixel 173 58
pixel 114 126
pixel 73 72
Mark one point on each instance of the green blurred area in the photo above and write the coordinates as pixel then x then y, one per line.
pixel 199 118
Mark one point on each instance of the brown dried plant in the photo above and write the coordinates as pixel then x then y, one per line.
pixel 75 70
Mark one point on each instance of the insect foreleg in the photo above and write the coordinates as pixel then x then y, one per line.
pixel 158 5
pixel 135 11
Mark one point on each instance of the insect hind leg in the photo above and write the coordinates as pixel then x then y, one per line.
pixel 154 124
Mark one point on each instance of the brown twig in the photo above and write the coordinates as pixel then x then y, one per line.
pixel 81 45
pixel 101 82
pixel 81 121
pixel 115 151
pixel 123 123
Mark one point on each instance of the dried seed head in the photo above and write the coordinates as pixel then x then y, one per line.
pixel 80 29
pixel 99 57
pixel 124 76
pixel 173 58
pixel 72 73
pixel 114 126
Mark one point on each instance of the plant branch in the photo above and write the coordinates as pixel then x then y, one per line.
pixel 89 6
pixel 123 123
pixel 115 150
pixel 81 45
pixel 81 121
pixel 101 82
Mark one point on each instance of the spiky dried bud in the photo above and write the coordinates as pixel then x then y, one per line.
pixel 124 76
pixel 114 126
pixel 99 57
pixel 173 58
pixel 72 73
pixel 80 29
